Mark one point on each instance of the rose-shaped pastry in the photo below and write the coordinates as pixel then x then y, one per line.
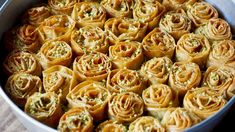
pixel 55 53
pixel 77 119
pixel 21 61
pixel 146 123
pixel 59 79
pixel 118 8
pixel 62 6
pixel 44 107
pixel 89 13
pixel 176 23
pixel 176 4
pixel 36 15
pixel 127 54
pixel 125 80
pixel 56 27
pixel 93 66
pixel 203 101
pixel 24 37
pixel 91 95
pixel 20 86
pixel 111 125
pixel 223 53
pixel 89 39
pixel 125 29
pixel 220 79
pixel 148 12
pixel 184 76
pixel 215 30
pixel 201 12
pixel 179 119
pixel 125 107
pixel 158 43
pixel 156 70
pixel 194 48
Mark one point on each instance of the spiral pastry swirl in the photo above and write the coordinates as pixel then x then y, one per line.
pixel 125 107
pixel 179 119
pixel 176 4
pixel 57 27
pixel 94 66
pixel 125 80
pixel 194 48
pixel 156 70
pixel 148 12
pixel 127 54
pixel 220 79
pixel 44 107
pixel 201 12
pixel 158 43
pixel 76 119
pixel 91 95
pixel 223 53
pixel 203 101
pixel 62 6
pixel 125 29
pixel 215 30
pixel 118 8
pixel 184 76
pixel 20 86
pixel 24 37
pixel 111 125
pixel 176 23
pixel 89 13
pixel 55 53
pixel 146 123
pixel 88 39
pixel 21 61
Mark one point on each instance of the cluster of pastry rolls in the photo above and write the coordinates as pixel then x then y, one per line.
pixel 120 65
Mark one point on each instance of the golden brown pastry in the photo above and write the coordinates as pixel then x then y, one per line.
pixel 148 12
pixel 176 4
pixel 118 8
pixel 156 70
pixel 176 23
pixel 220 79
pixel 203 101
pixel 56 27
pixel 146 123
pixel 201 12
pixel 20 86
pixel 127 54
pixel 184 76
pixel 194 48
pixel 222 53
pixel 89 13
pixel 88 39
pixel 91 95
pixel 62 6
pixel 121 29
pixel 55 53
pixel 59 79
pixel 36 15
pixel 179 119
pixel 24 37
pixel 21 61
pixel 111 125
pixel 158 43
pixel 76 119
pixel 44 107
pixel 215 30
pixel 93 66
pixel 125 107
pixel 125 80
